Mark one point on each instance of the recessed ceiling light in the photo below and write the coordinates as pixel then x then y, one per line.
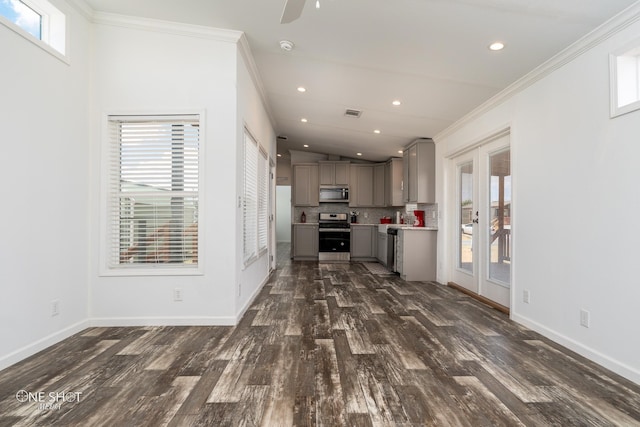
pixel 396 102
pixel 304 120
pixel 306 145
pixel 496 46
pixel 376 131
pixel 302 89
pixel 359 154
pixel 279 155
pixel 400 151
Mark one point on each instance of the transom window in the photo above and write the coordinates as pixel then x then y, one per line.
pixel 625 79
pixel 36 20
pixel 153 201
pixel 23 16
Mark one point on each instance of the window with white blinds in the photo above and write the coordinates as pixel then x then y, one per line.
pixel 153 191
pixel 263 200
pixel 256 199
pixel 250 205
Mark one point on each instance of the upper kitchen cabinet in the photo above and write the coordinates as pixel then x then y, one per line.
pixel 334 173
pixel 378 185
pixel 305 184
pixel 419 172
pixel 393 182
pixel 367 185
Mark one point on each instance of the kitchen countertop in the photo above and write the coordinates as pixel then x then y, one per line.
pixel 382 228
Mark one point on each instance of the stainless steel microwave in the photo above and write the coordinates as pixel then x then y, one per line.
pixel 334 194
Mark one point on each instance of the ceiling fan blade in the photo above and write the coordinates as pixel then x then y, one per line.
pixel 292 11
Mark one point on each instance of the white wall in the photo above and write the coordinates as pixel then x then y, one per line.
pixel 45 192
pixel 576 194
pixel 253 115
pixel 151 68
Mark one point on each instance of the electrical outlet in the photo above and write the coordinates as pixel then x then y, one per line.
pixel 177 294
pixel 526 296
pixel 55 307
pixel 585 318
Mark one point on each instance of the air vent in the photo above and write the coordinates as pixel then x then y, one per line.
pixel 350 112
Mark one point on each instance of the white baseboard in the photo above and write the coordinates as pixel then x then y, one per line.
pixel 41 344
pixel 48 341
pixel 252 298
pixel 106 322
pixel 616 366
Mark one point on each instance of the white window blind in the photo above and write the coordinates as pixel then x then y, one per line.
pixel 263 200
pixel 250 206
pixel 153 190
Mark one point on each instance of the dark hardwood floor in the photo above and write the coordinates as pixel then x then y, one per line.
pixel 324 345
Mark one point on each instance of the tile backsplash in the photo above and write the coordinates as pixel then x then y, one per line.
pixel 369 215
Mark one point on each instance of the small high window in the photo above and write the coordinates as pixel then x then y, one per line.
pixel 36 20
pixel 625 79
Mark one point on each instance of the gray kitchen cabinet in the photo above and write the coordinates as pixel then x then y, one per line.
pixel 367 187
pixel 416 254
pixel 382 248
pixel 361 186
pixel 405 176
pixel 305 185
pixel 334 173
pixel 419 172
pixel 364 242
pixel 378 185
pixel 305 242
pixel 393 182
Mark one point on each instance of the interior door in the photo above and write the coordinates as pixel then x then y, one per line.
pixel 481 258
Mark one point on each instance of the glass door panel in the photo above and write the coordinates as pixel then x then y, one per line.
pixel 499 241
pixel 466 215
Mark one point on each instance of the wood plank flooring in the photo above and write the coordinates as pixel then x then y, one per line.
pixel 322 345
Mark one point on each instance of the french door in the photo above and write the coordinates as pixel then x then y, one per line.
pixel 481 258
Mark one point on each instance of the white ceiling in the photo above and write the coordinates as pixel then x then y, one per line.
pixel 431 54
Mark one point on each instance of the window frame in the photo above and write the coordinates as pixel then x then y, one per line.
pixel 151 269
pixel 54 28
pixel 614 78
pixel 259 236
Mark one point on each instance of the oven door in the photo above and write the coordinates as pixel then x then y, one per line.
pixel 334 241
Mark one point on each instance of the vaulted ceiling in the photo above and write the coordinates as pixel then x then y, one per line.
pixel 431 55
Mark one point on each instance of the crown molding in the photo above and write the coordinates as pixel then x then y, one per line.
pixel 605 31
pixel 245 51
pixel 83 8
pixel 176 28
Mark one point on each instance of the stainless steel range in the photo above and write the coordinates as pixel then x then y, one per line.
pixel 335 237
